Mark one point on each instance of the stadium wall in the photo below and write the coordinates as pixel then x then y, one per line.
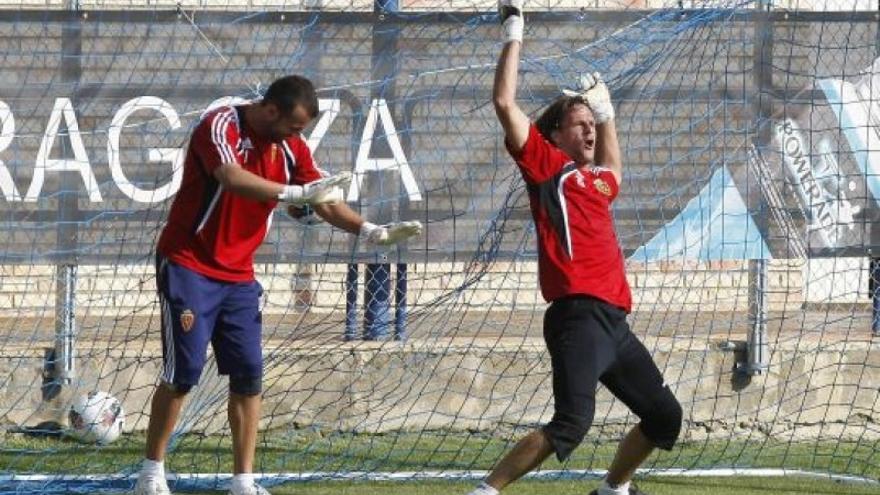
pixel 118 292
pixel 473 384
pixel 442 119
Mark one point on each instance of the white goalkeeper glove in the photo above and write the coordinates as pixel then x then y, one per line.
pixel 322 191
pixel 512 22
pixel 594 91
pixel 392 233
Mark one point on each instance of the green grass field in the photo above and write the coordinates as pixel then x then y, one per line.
pixel 307 450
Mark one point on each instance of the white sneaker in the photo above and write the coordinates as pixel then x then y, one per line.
pixel 151 486
pixel 254 489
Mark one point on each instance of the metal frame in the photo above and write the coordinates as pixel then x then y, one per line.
pixel 433 17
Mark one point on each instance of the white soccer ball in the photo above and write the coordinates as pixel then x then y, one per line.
pixel 96 417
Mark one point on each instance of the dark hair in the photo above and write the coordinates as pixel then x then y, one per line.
pixel 552 117
pixel 291 91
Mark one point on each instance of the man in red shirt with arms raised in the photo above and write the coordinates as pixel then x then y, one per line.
pixel 241 161
pixel 571 162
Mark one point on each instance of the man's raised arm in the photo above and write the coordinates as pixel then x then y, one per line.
pixel 595 92
pixel 512 118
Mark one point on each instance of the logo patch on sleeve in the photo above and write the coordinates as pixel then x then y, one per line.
pixel 187 320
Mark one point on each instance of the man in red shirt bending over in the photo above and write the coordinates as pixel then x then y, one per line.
pixel 241 162
pixel 571 162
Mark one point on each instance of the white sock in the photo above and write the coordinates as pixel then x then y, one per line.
pixel 242 481
pixel 484 489
pixel 153 469
pixel 606 489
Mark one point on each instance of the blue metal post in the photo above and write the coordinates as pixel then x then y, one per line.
pixel 351 292
pixel 400 291
pixel 386 6
pixel 400 303
pixel 377 310
pixel 377 286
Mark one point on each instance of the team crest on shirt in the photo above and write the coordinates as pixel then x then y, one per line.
pixel 602 186
pixel 187 320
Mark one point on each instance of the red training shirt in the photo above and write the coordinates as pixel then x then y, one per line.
pixel 578 252
pixel 215 232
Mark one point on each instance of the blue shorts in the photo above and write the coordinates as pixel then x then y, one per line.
pixel 197 310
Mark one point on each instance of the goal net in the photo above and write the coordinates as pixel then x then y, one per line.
pixel 751 146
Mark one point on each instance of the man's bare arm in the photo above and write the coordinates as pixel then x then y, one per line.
pixel 595 92
pixel 608 149
pixel 341 216
pixel 235 179
pixel 512 118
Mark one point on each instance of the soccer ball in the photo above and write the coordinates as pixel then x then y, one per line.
pixel 96 417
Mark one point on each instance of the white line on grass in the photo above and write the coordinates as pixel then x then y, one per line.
pixel 277 478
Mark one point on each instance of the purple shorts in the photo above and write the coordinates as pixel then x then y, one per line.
pixel 197 310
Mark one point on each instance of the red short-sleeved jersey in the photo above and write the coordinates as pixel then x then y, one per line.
pixel 578 252
pixel 212 231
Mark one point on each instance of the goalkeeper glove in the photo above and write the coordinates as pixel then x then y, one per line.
pixel 595 93
pixel 511 19
pixel 322 191
pixel 392 233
